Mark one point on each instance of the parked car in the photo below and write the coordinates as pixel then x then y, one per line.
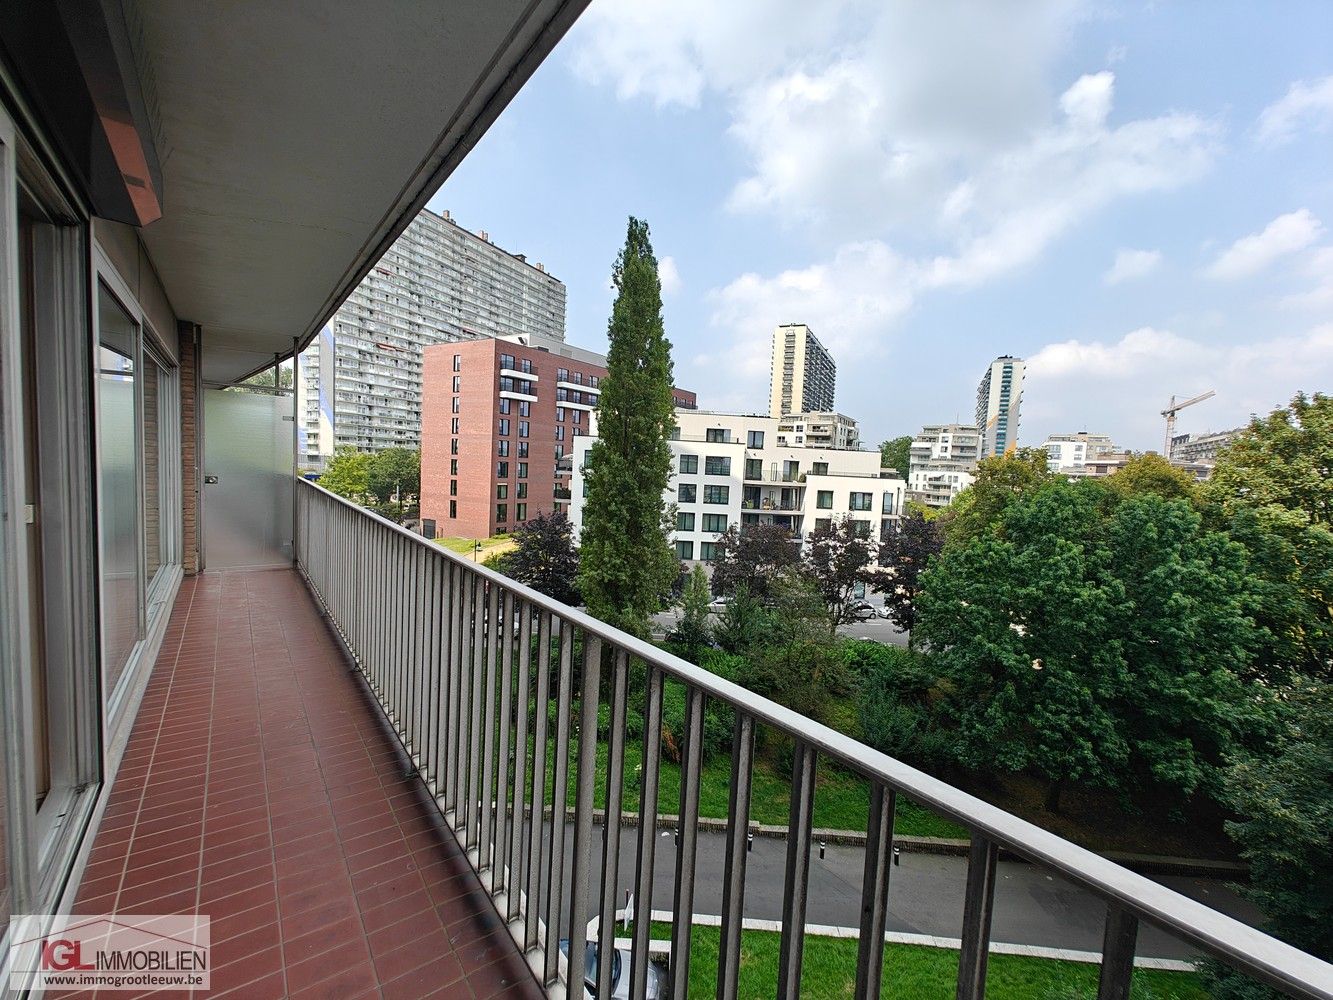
pixel 882 611
pixel 657 975
pixel 719 604
pixel 860 611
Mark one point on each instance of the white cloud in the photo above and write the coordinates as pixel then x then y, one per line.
pixel 1319 268
pixel 1131 264
pixel 668 275
pixel 1287 234
pixel 1307 105
pixel 1120 387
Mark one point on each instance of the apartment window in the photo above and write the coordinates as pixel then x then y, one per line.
pixel 504 427
pixel 861 528
pixel 820 469
pixel 502 470
pixel 823 523
pixel 716 435
pixel 503 448
pixel 507 361
pixel 561 395
pixel 716 494
pixel 523 452
pixel 684 520
pixel 717 465
pixel 888 504
pixel 522 491
pixel 506 384
pixel 453 504
pixel 520 512
pixel 684 550
pixel 522 470
pixel 453 487
pixel 708 551
pixel 715 522
pixel 578 416
pixel 689 465
pixel 860 501
pixel 562 375
pixel 559 413
pixel 824 500
pixel 458 363
pixel 687 493
pixel 594 381
pixel 590 399
pixel 501 512
pixel 522 428
pixel 502 491
pixel 559 433
pixel 524 408
pixel 504 404
pixel 455 405
pixel 754 468
pixel 458 383
pixel 453 425
pixel 453 466
pixel 754 439
pixel 453 446
pixel 559 452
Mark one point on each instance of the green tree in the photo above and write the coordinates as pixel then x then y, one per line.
pixel 692 630
pixel 1273 489
pixel 348 474
pixel 1152 473
pixel 743 625
pixel 752 557
pixel 1000 480
pixel 627 562
pixel 544 557
pixel 896 453
pixel 904 552
pixel 839 558
pixel 393 479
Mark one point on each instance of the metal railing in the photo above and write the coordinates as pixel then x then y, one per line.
pixel 465 664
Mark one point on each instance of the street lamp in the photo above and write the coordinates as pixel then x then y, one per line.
pixel 476 550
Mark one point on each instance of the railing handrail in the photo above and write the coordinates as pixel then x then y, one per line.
pixel 1250 949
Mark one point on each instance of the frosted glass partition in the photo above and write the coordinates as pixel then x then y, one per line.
pixel 119 469
pixel 247 479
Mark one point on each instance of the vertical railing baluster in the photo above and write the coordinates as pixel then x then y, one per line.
pixel 733 877
pixel 464 701
pixel 503 822
pixel 494 634
pixel 682 906
pixel 472 830
pixel 434 629
pixel 650 766
pixel 797 872
pixel 559 799
pixel 1118 943
pixel 580 872
pixel 524 821
pixel 615 793
pixel 449 726
pixel 875 891
pixel 982 858
pixel 535 866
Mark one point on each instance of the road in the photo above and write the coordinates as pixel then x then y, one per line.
pixel 877 629
pixel 925 893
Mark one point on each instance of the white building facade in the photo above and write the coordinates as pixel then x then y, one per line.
pixel 1070 453
pixel 728 469
pixel 819 430
pixel 943 460
pixel 998 399
pixel 360 383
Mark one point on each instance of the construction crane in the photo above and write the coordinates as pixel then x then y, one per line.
pixel 1170 414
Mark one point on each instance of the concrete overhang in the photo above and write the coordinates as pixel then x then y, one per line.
pixel 297 139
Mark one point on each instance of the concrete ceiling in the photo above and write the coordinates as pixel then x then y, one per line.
pixel 298 138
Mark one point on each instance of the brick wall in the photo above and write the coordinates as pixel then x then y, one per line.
pixel 189 385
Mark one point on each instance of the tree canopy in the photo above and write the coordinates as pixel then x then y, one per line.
pixel 904 552
pixel 838 558
pixel 544 556
pixel 627 564
pixel 753 557
pixel 896 453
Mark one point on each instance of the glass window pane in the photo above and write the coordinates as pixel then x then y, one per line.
pixel 154 396
pixel 119 479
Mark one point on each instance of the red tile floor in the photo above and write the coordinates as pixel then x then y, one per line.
pixel 260 788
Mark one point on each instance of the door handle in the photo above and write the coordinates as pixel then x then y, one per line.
pixel 210 480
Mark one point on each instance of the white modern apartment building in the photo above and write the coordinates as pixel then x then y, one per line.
pixel 727 468
pixel 819 430
pixel 803 374
pixel 360 383
pixel 1070 453
pixel 943 460
pixel 998 398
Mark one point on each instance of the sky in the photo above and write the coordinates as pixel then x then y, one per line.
pixel 1135 197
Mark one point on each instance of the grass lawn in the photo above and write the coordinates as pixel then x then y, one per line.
pixel 489 546
pixel 828 971
pixel 842 800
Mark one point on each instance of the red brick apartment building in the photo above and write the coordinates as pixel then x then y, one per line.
pixel 498 419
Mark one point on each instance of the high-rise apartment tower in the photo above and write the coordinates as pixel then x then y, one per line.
pixel 803 373
pixel 998 399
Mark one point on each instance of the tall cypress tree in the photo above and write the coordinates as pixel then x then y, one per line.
pixel 626 562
